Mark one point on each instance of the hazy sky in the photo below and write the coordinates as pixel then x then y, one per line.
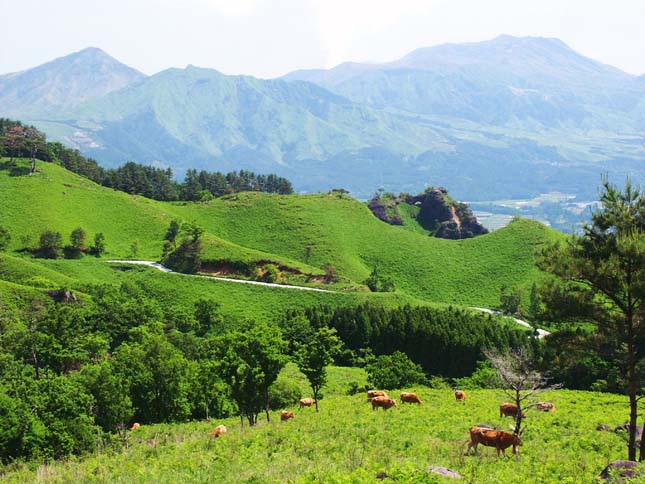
pixel 268 38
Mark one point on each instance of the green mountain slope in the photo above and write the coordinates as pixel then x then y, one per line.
pixel 65 81
pixel 507 118
pixel 299 233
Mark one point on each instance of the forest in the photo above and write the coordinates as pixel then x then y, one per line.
pixel 21 141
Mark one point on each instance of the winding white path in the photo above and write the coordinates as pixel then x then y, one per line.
pixel 156 265
pixel 162 268
pixel 541 332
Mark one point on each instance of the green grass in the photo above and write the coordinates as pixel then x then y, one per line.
pixel 304 232
pixel 347 442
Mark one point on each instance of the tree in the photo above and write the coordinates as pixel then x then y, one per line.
pixel 379 283
pixel 5 239
pixel 36 142
pixel 394 371
pixel 603 271
pixel 51 245
pixel 187 257
pixel 251 362
pixel 509 300
pixel 172 232
pixel 78 243
pixel 519 380
pixel 314 356
pixel 99 244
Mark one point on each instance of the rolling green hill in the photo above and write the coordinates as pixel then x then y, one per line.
pixel 298 232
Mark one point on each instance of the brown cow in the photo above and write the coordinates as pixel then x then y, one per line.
pixel 383 402
pixel 509 410
pixel 460 395
pixel 493 438
pixel 307 402
pixel 545 406
pixel 375 393
pixel 135 426
pixel 407 397
pixel 285 415
pixel 217 431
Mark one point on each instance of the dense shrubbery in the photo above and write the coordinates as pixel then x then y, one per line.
pixel 394 371
pixel 151 182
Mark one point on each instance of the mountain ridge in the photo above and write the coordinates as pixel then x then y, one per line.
pixel 481 126
pixel 64 81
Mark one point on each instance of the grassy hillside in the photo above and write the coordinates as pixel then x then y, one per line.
pixel 349 443
pixel 303 232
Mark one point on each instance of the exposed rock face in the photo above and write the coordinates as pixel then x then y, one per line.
pixel 438 213
pixel 619 470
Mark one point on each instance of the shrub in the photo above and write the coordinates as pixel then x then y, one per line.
pixel 5 239
pixel 379 283
pixel 283 393
pixel 51 245
pixel 394 371
pixel 485 376
pixel 271 273
pixel 99 244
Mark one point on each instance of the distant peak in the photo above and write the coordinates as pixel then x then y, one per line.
pixel 553 41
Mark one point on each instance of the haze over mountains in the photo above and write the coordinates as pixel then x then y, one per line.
pixel 506 118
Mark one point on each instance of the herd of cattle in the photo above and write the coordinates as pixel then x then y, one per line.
pixel 479 434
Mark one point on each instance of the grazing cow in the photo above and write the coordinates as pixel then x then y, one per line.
pixel 375 393
pixel 307 402
pixel 383 402
pixel 460 395
pixel 285 415
pixel 509 410
pixel 218 431
pixel 407 397
pixel 135 426
pixel 545 406
pixel 493 438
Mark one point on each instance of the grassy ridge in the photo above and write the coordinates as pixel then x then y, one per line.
pixel 244 301
pixel 305 232
pixel 349 443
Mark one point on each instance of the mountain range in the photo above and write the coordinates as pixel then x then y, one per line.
pixel 506 118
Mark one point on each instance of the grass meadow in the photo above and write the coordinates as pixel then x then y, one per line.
pixel 347 442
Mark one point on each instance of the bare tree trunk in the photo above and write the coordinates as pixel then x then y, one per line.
pixel 641 456
pixel 633 388
pixel 266 404
pixel 316 399
pixel 518 414
pixel 33 161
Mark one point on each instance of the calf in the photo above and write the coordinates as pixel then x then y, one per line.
pixel 307 402
pixel 285 415
pixel 407 397
pixel 509 410
pixel 383 402
pixel 493 438
pixel 135 426
pixel 460 395
pixel 545 406
pixel 218 431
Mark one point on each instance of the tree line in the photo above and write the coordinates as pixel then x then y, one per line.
pixel 20 141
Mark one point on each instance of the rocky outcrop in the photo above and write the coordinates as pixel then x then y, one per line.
pixel 439 214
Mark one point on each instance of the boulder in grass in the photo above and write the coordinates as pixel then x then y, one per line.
pixel 619 470
pixel 445 472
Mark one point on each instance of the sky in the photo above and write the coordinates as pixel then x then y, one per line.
pixel 268 38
